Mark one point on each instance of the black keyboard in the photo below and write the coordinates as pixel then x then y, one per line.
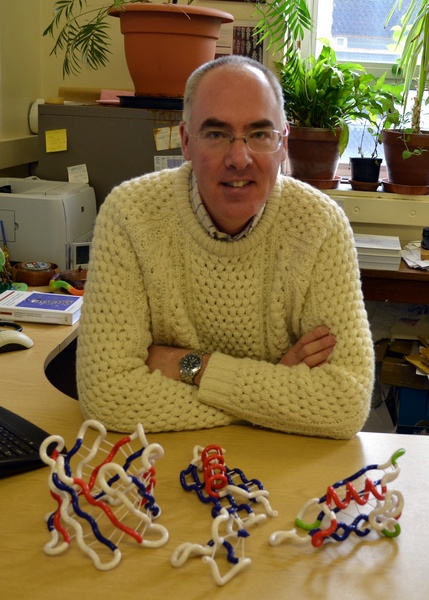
pixel 20 442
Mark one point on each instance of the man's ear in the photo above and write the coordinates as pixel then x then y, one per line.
pixel 184 137
pixel 284 141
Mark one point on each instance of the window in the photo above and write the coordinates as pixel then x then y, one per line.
pixel 356 30
pixel 339 43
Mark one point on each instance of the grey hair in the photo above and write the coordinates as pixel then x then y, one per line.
pixel 231 62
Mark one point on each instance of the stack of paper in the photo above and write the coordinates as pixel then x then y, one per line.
pixel 378 251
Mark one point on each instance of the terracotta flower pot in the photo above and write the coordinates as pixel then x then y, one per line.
pixel 164 43
pixel 313 153
pixel 413 171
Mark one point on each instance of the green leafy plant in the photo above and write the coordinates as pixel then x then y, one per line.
pixel 407 153
pixel 283 24
pixel 412 38
pixel 322 92
pixel 381 105
pixel 81 33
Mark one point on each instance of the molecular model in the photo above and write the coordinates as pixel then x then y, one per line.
pixel 365 503
pixel 233 498
pixel 104 492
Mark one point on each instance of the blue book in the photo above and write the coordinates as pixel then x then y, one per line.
pixel 40 307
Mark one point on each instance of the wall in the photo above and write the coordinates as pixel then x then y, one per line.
pixel 20 78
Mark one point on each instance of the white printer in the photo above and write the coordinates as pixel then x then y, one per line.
pixel 42 220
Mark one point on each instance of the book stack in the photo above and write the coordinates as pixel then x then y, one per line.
pixel 378 251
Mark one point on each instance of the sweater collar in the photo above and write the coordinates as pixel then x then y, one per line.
pixel 216 247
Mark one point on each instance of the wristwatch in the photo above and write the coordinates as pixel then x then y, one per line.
pixel 190 365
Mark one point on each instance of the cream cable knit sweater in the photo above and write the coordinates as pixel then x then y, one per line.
pixel 157 277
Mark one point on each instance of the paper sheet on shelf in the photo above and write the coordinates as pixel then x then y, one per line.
pixel 411 254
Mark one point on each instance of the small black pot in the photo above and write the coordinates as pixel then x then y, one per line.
pixel 365 169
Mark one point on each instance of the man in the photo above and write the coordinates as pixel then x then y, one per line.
pixel 223 291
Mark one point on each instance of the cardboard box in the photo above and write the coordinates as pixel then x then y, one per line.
pixel 395 370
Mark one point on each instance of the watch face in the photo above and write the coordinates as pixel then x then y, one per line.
pixel 191 362
pixel 190 366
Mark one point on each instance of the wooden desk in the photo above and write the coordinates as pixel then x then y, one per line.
pixel 293 469
pixel 404 285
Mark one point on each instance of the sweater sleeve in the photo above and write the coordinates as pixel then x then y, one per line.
pixel 331 400
pixel 114 383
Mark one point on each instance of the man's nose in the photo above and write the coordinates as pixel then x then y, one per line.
pixel 238 156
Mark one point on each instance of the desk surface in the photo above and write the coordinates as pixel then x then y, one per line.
pixel 293 469
pixel 404 285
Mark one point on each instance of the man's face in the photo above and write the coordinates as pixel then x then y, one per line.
pixel 236 182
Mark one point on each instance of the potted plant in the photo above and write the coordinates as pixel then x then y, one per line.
pixel 365 170
pixel 164 43
pixel 406 149
pixel 381 106
pixel 322 97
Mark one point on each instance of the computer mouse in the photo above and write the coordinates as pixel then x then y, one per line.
pixel 14 340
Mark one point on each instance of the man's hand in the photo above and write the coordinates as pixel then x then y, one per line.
pixel 166 359
pixel 313 349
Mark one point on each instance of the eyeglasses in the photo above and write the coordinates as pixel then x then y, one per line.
pixel 259 141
